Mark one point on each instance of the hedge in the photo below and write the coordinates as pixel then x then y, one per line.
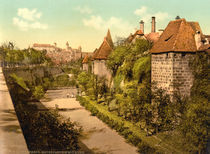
pixel 118 125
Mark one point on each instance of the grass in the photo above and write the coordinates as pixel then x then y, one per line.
pixel 161 142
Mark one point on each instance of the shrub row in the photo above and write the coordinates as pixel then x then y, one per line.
pixel 119 126
pixel 44 131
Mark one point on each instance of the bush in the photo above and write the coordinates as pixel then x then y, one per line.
pixel 38 92
pixel 43 130
pixel 62 81
pixel 145 148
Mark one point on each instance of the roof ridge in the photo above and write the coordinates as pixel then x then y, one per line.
pixel 108 43
pixel 175 41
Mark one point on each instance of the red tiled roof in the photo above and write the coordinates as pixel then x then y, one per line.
pixel 205 48
pixel 132 36
pixel 42 45
pixel 105 48
pixel 178 36
pixel 139 32
pixel 109 39
pixel 153 37
pixel 85 60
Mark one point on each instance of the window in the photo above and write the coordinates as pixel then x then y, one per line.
pixel 168 38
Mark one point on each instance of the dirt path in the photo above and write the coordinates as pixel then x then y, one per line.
pixel 97 135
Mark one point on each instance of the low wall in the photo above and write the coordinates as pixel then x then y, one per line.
pixel 11 136
pixel 31 73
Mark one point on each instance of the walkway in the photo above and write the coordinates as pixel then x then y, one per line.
pixel 11 138
pixel 97 136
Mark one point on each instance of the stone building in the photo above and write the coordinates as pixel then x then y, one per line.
pixel 59 55
pixel 87 57
pixel 100 56
pixel 172 53
pixel 85 63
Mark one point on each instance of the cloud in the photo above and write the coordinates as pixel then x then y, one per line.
pixel 95 22
pixel 84 10
pixel 25 13
pixel 140 11
pixel 161 15
pixel 146 16
pixel 25 25
pixel 27 19
pixel 117 24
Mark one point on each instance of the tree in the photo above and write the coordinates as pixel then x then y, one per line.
pixel 83 80
pixel 195 120
pixel 116 58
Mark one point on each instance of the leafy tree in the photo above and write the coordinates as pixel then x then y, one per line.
pixel 195 119
pixel 116 58
pixel 83 80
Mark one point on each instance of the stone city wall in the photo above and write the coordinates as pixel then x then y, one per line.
pixel 171 71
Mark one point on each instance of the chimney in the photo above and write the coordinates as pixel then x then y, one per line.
pixel 142 25
pixel 198 39
pixel 67 45
pixel 177 17
pixel 153 25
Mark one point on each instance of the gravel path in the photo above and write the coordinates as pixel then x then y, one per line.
pixel 97 136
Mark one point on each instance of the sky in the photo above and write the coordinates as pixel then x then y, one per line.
pixel 85 22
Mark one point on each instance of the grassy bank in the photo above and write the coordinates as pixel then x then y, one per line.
pixel 43 129
pixel 132 133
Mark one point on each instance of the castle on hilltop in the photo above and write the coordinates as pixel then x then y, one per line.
pixel 59 55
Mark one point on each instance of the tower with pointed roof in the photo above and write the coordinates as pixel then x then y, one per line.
pixel 101 55
pixel 171 55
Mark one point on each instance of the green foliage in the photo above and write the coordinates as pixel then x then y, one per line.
pixel 93 85
pixel 195 117
pixel 19 81
pixel 117 123
pixel 142 68
pixel 63 81
pixel 126 55
pixel 145 148
pixel 46 83
pixel 44 131
pixel 116 58
pixel 118 78
pixel 27 56
pixel 84 80
pixel 38 92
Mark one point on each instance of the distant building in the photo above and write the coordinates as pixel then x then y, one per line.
pixel 59 55
pixel 100 56
pixel 171 55
pixel 85 63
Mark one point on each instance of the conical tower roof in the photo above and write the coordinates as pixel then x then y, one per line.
pixel 105 48
pixel 109 39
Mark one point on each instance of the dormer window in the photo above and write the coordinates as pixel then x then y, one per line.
pixel 198 32
pixel 168 38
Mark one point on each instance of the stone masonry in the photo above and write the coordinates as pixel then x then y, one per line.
pixel 171 56
pixel 171 72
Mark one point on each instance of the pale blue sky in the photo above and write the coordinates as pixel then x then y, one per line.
pixel 85 22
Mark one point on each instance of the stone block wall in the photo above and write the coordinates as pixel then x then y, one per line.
pixel 85 67
pixel 171 72
pixel 182 73
pixel 100 69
